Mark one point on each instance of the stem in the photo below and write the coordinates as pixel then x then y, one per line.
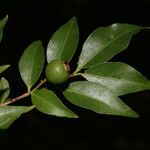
pixel 16 99
pixel 41 83
pixel 23 95
pixel 75 74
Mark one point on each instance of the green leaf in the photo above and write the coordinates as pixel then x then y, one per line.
pixel 31 63
pixel 119 77
pixel 3 68
pixel 98 98
pixel 64 42
pixel 2 24
pixel 8 114
pixel 105 42
pixel 4 89
pixel 47 102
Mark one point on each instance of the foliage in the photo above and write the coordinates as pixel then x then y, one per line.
pixel 103 81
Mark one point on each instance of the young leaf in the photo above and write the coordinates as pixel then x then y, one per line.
pixel 8 114
pixel 2 24
pixel 105 42
pixel 98 98
pixel 47 102
pixel 31 63
pixel 4 89
pixel 64 42
pixel 119 77
pixel 3 68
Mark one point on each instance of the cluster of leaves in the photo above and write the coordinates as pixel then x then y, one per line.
pixel 104 81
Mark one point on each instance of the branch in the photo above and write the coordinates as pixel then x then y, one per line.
pixel 16 99
pixel 23 95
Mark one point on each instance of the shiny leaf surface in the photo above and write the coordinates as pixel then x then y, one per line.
pixel 3 68
pixel 106 42
pixel 8 114
pixel 31 63
pixel 98 98
pixel 4 89
pixel 47 102
pixel 119 77
pixel 64 42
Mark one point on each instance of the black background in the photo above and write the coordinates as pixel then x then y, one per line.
pixel 31 20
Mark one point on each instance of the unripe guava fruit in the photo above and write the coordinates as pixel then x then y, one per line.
pixel 57 72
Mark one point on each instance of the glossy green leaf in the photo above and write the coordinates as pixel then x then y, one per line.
pixel 31 63
pixel 8 114
pixel 4 89
pixel 47 102
pixel 2 25
pixel 105 42
pixel 119 77
pixel 64 42
pixel 98 98
pixel 3 68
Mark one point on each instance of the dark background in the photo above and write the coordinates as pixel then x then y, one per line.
pixel 31 20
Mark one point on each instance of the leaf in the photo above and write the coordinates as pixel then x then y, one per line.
pixel 119 77
pixel 8 114
pixel 31 63
pixel 106 42
pixel 2 24
pixel 98 98
pixel 4 89
pixel 3 68
pixel 64 42
pixel 47 102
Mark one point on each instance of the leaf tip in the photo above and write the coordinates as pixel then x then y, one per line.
pixel 74 116
pixel 73 19
pixel 136 115
pixel 4 20
pixel 133 114
pixel 38 42
pixel 6 17
pixel 7 66
pixel 31 107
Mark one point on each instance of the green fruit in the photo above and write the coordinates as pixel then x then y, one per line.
pixel 57 72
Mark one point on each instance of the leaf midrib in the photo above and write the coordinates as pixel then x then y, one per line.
pixel 12 111
pixel 122 79
pixel 33 60
pixel 62 50
pixel 39 97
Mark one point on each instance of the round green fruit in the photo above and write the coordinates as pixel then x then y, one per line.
pixel 57 72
